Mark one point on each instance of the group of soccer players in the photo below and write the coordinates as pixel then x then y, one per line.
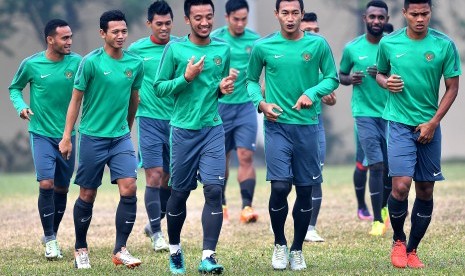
pixel 195 99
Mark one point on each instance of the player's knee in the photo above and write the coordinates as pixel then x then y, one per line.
pixel 304 191
pixel 245 157
pixel 377 166
pixel 46 184
pixel 154 177
pixel 61 190
pixel 180 196
pixel 424 190
pixel 213 194
pixel 88 195
pixel 280 188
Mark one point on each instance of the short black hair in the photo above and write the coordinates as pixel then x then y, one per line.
pixel 234 5
pixel 113 15
pixel 189 3
pixel 378 4
pixel 310 17
pixel 52 25
pixel 408 2
pixel 388 28
pixel 301 2
pixel 159 7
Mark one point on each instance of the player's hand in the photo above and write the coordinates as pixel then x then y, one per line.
pixel 270 110
pixel 357 77
pixel 227 84
pixel 26 113
pixel 194 69
pixel 234 73
pixel 372 70
pixel 303 102
pixel 66 148
pixel 395 83
pixel 329 99
pixel 427 131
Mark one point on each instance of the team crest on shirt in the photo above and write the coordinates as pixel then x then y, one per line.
pixel 306 56
pixel 248 49
pixel 69 74
pixel 128 73
pixel 429 56
pixel 217 60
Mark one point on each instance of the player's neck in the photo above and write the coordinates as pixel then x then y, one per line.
pixel 292 36
pixel 115 53
pixel 373 39
pixel 416 36
pixel 54 56
pixel 197 40
pixel 157 41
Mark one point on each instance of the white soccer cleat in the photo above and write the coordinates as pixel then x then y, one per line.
pixel 159 243
pixel 279 260
pixel 81 259
pixel 52 250
pixel 312 236
pixel 297 261
pixel 123 257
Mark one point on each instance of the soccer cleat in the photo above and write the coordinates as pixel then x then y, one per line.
pixel 225 215
pixel 413 261
pixel 42 241
pixel 52 250
pixel 248 215
pixel 81 259
pixel 158 242
pixel 177 263
pixel 312 236
pixel 123 257
pixel 296 260
pixel 148 230
pixel 377 229
pixel 279 260
pixel 399 254
pixel 385 216
pixel 210 265
pixel 364 214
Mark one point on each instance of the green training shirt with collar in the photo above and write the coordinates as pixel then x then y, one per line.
pixel 107 84
pixel 292 69
pixel 368 98
pixel 421 64
pixel 151 106
pixel 195 102
pixel 51 87
pixel 241 47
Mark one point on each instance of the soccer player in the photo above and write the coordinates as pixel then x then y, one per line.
pixel 291 124
pixel 108 82
pixel 411 63
pixel 195 70
pixel 50 75
pixel 360 179
pixel 237 110
pixel 153 118
pixel 358 68
pixel 309 23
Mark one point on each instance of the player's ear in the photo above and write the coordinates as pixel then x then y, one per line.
pixel 50 39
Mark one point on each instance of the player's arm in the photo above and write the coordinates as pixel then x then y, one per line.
pixel 133 104
pixel 65 146
pixel 346 65
pixel 226 85
pixel 20 80
pixel 384 78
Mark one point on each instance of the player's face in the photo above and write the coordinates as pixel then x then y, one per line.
pixel 375 18
pixel 161 26
pixel 418 17
pixel 201 21
pixel 310 26
pixel 116 34
pixel 61 41
pixel 237 20
pixel 289 16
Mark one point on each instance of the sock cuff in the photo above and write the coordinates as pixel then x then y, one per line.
pixel 249 181
pixel 86 205
pixel 46 192
pixel 128 199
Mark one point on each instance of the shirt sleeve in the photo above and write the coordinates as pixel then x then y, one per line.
pixel 20 80
pixel 139 77
pixel 253 76
pixel 452 65
pixel 382 59
pixel 346 62
pixel 83 76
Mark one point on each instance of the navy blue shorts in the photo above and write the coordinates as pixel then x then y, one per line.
pixel 359 155
pixel 197 155
pixel 322 140
pixel 372 136
pixel 96 152
pixel 240 125
pixel 408 157
pixel 154 148
pixel 292 153
pixel 48 161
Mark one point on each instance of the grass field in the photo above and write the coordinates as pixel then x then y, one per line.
pixel 242 249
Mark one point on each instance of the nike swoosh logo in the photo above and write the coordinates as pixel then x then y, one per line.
pixel 436 174
pixel 129 222
pixel 305 211
pixel 151 220
pixel 106 73
pixel 148 58
pixel 362 57
pixel 169 214
pixel 372 194
pixel 359 188
pixel 394 216
pixel 47 215
pixel 44 76
pixel 220 177
pixel 276 210
pixel 85 219
pixel 422 216
pixel 278 56
pixel 316 198
pixel 315 177
pixel 400 55
pixel 216 213
pixel 60 212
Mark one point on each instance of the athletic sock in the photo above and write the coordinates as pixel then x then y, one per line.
pixel 124 220
pixel 212 216
pixel 420 218
pixel 397 214
pixel 46 209
pixel 164 196
pixel 207 253
pixel 82 215
pixel 278 209
pixel 247 192
pixel 387 187
pixel 223 193
pixel 376 189
pixel 153 207
pixel 301 213
pixel 174 248
pixel 317 196
pixel 360 179
pixel 176 215
pixel 60 207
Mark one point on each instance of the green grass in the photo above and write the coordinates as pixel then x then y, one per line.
pixel 242 249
